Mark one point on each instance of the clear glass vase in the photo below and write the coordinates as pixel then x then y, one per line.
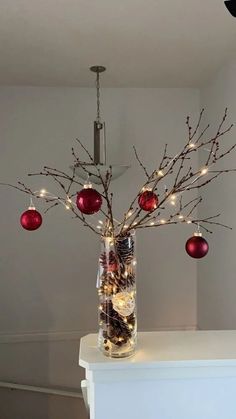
pixel 117 296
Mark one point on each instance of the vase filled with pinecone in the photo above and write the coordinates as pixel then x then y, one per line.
pixel 117 296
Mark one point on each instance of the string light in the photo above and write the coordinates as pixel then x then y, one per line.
pixel 181 217
pixel 67 207
pixel 42 193
pixel 100 222
pixel 192 145
pixel 189 222
pixel 160 173
pixel 204 171
pixel 69 200
pixel 152 223
pixel 130 213
pixel 163 221
pixel 99 227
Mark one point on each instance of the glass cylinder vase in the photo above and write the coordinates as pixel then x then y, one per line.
pixel 117 296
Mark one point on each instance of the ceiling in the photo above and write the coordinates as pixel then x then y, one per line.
pixel 143 43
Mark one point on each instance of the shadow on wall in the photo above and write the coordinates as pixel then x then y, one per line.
pixel 22 405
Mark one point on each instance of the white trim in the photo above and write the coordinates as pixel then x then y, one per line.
pixel 71 335
pixel 44 390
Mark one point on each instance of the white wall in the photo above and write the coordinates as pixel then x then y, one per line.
pixel 48 277
pixel 216 273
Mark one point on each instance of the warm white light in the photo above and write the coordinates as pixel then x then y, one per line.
pixel 67 207
pixel 69 200
pixel 163 221
pixel 181 217
pixel 204 171
pixel 152 223
pixel 131 327
pixel 100 222
pixel 126 226
pixel 130 213
pixel 100 307
pixel 134 262
pixel 99 227
pixel 191 145
pixel 43 192
pixel 160 173
pixel 173 203
pixel 189 222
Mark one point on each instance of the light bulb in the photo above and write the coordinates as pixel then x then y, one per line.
pixel 42 192
pixel 163 221
pixel 191 145
pixel 204 171
pixel 160 173
pixel 181 217
pixel 189 222
pixel 152 223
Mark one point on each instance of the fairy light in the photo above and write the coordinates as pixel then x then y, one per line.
pixel 204 171
pixel 181 217
pixel 100 307
pixel 126 226
pixel 160 173
pixel 67 207
pixel 134 262
pixel 152 223
pixel 100 222
pixel 163 221
pixel 189 222
pixel 130 326
pixel 192 145
pixel 69 200
pixel 129 213
pixel 99 227
pixel 42 193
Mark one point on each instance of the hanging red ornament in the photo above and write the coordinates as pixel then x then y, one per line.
pixel 89 201
pixel 197 247
pixel 148 200
pixel 31 219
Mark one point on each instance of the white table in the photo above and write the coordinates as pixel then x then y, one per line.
pixel 174 375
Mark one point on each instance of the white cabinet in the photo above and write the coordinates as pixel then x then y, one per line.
pixel 174 375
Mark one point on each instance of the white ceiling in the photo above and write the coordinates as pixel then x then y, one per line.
pixel 143 43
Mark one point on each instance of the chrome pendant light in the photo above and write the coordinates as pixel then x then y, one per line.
pixel 99 153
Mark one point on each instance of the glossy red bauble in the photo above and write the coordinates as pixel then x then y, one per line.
pixel 89 201
pixel 31 220
pixel 148 201
pixel 197 247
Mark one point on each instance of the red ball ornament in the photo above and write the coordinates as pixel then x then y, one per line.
pixel 89 201
pixel 197 247
pixel 148 201
pixel 31 219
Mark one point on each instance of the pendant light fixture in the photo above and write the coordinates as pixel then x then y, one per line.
pixel 100 152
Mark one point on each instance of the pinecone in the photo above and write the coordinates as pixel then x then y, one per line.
pixel 125 249
pixel 108 262
pixel 117 330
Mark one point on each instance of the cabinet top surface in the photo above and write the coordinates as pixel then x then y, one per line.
pixel 158 349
